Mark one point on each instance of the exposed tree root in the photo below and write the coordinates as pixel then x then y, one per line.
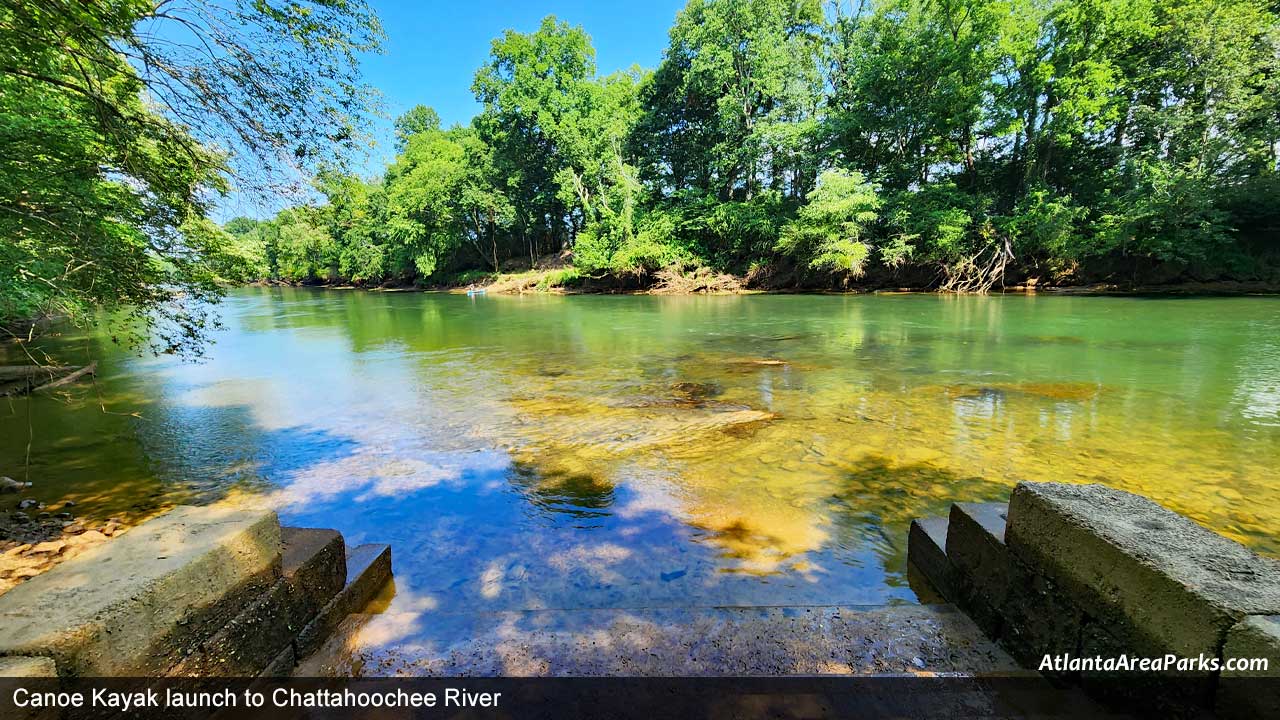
pixel 979 273
pixel 700 280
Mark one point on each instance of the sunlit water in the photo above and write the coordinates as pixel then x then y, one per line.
pixel 640 452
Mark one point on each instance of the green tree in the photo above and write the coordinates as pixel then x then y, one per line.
pixel 418 119
pixel 103 197
pixel 829 233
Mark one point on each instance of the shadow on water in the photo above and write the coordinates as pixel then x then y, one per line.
pixel 578 495
pixel 876 499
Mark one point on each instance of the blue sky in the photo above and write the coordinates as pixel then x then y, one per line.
pixel 433 49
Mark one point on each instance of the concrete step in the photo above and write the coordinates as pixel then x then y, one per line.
pixel 130 606
pixel 314 571
pixel 368 571
pixel 930 572
pixel 741 641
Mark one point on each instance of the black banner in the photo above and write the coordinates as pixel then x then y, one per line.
pixel 796 698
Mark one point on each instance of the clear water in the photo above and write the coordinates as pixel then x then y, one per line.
pixel 626 452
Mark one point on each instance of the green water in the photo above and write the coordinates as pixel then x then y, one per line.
pixel 624 452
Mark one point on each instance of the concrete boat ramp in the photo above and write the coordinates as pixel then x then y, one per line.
pixel 228 593
pixel 706 641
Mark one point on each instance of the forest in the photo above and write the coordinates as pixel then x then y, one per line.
pixel 959 145
pixel 954 145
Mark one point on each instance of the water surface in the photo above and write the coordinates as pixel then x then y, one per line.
pixel 641 452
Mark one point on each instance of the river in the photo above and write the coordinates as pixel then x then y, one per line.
pixel 619 451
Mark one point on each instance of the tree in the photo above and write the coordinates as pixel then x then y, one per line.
pixel 948 141
pixel 829 232
pixel 418 119
pixel 732 106
pixel 104 201
pixel 526 87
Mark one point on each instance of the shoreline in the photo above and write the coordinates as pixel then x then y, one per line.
pixel 1224 288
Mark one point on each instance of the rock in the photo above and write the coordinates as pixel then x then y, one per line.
pixel 21 518
pixel 29 503
pixel 51 546
pixel 64 516
pixel 12 562
pixel 69 503
pixel 89 536
pixel 9 485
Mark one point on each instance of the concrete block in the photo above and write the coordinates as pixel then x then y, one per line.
pixel 27 667
pixel 368 570
pixel 975 545
pixel 1145 693
pixel 282 665
pixel 1151 578
pixel 926 551
pixel 1038 619
pixel 129 606
pixel 314 566
pixel 1256 693
pixel 27 672
pixel 924 589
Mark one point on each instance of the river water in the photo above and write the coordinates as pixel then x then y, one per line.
pixel 648 452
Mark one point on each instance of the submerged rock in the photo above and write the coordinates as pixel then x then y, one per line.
pixel 1055 391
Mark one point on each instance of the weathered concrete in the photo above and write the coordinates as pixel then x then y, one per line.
pixel 314 571
pixel 1037 619
pixel 918 640
pixel 1242 694
pixel 1255 637
pixel 927 548
pixel 1156 581
pixel 27 667
pixel 368 571
pixel 281 665
pixel 975 547
pixel 128 607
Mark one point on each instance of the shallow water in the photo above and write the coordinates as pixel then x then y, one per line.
pixel 628 452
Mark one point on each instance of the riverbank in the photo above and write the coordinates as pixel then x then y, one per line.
pixel 557 275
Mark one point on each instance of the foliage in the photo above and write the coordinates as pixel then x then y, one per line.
pixel 953 142
pixel 121 121
pixel 829 231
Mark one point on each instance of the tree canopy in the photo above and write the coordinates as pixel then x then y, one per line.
pixel 123 121
pixel 955 144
